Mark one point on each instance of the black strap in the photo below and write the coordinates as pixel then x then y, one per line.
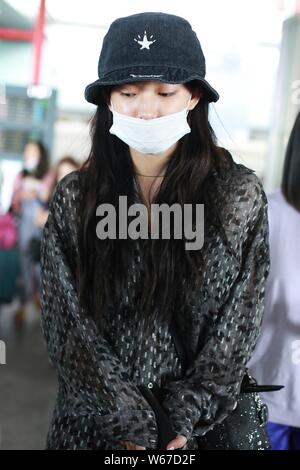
pixel 249 384
pixel 181 351
pixel 164 426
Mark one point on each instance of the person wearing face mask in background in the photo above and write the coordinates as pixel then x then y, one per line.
pixel 30 191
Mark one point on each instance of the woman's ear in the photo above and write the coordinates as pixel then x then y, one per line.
pixel 195 99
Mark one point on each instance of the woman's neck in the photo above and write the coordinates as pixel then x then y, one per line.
pixel 151 165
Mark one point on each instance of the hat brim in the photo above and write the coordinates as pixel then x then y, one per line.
pixel 93 92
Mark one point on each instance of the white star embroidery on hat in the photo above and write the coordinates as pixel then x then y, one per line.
pixel 145 43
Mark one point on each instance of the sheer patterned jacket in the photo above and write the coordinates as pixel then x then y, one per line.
pixel 98 401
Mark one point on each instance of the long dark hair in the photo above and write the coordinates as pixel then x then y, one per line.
pixel 290 185
pixel 103 265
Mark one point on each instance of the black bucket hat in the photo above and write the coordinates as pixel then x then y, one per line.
pixel 150 46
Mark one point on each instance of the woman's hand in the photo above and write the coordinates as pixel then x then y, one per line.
pixel 131 446
pixel 177 443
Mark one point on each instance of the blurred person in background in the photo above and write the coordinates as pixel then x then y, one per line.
pixel 276 358
pixel 30 191
pixel 63 167
pixel 9 266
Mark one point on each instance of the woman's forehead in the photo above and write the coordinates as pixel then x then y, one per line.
pixel 147 84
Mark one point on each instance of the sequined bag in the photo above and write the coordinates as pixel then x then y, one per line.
pixel 245 427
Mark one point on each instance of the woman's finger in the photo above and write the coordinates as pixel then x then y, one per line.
pixel 177 443
pixel 131 446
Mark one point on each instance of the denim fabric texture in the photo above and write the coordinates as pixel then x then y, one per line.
pixel 150 46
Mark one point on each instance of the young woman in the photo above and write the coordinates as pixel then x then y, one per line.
pixel 277 355
pixel 110 305
pixel 30 190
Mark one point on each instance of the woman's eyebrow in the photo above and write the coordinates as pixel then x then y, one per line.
pixel 168 86
pixel 161 87
pixel 127 85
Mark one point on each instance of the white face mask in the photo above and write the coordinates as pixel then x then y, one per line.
pixel 30 164
pixel 150 136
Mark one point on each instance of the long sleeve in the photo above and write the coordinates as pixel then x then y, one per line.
pixel 208 391
pixel 98 394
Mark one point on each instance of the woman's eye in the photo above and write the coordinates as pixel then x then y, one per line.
pixel 123 93
pixel 167 94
